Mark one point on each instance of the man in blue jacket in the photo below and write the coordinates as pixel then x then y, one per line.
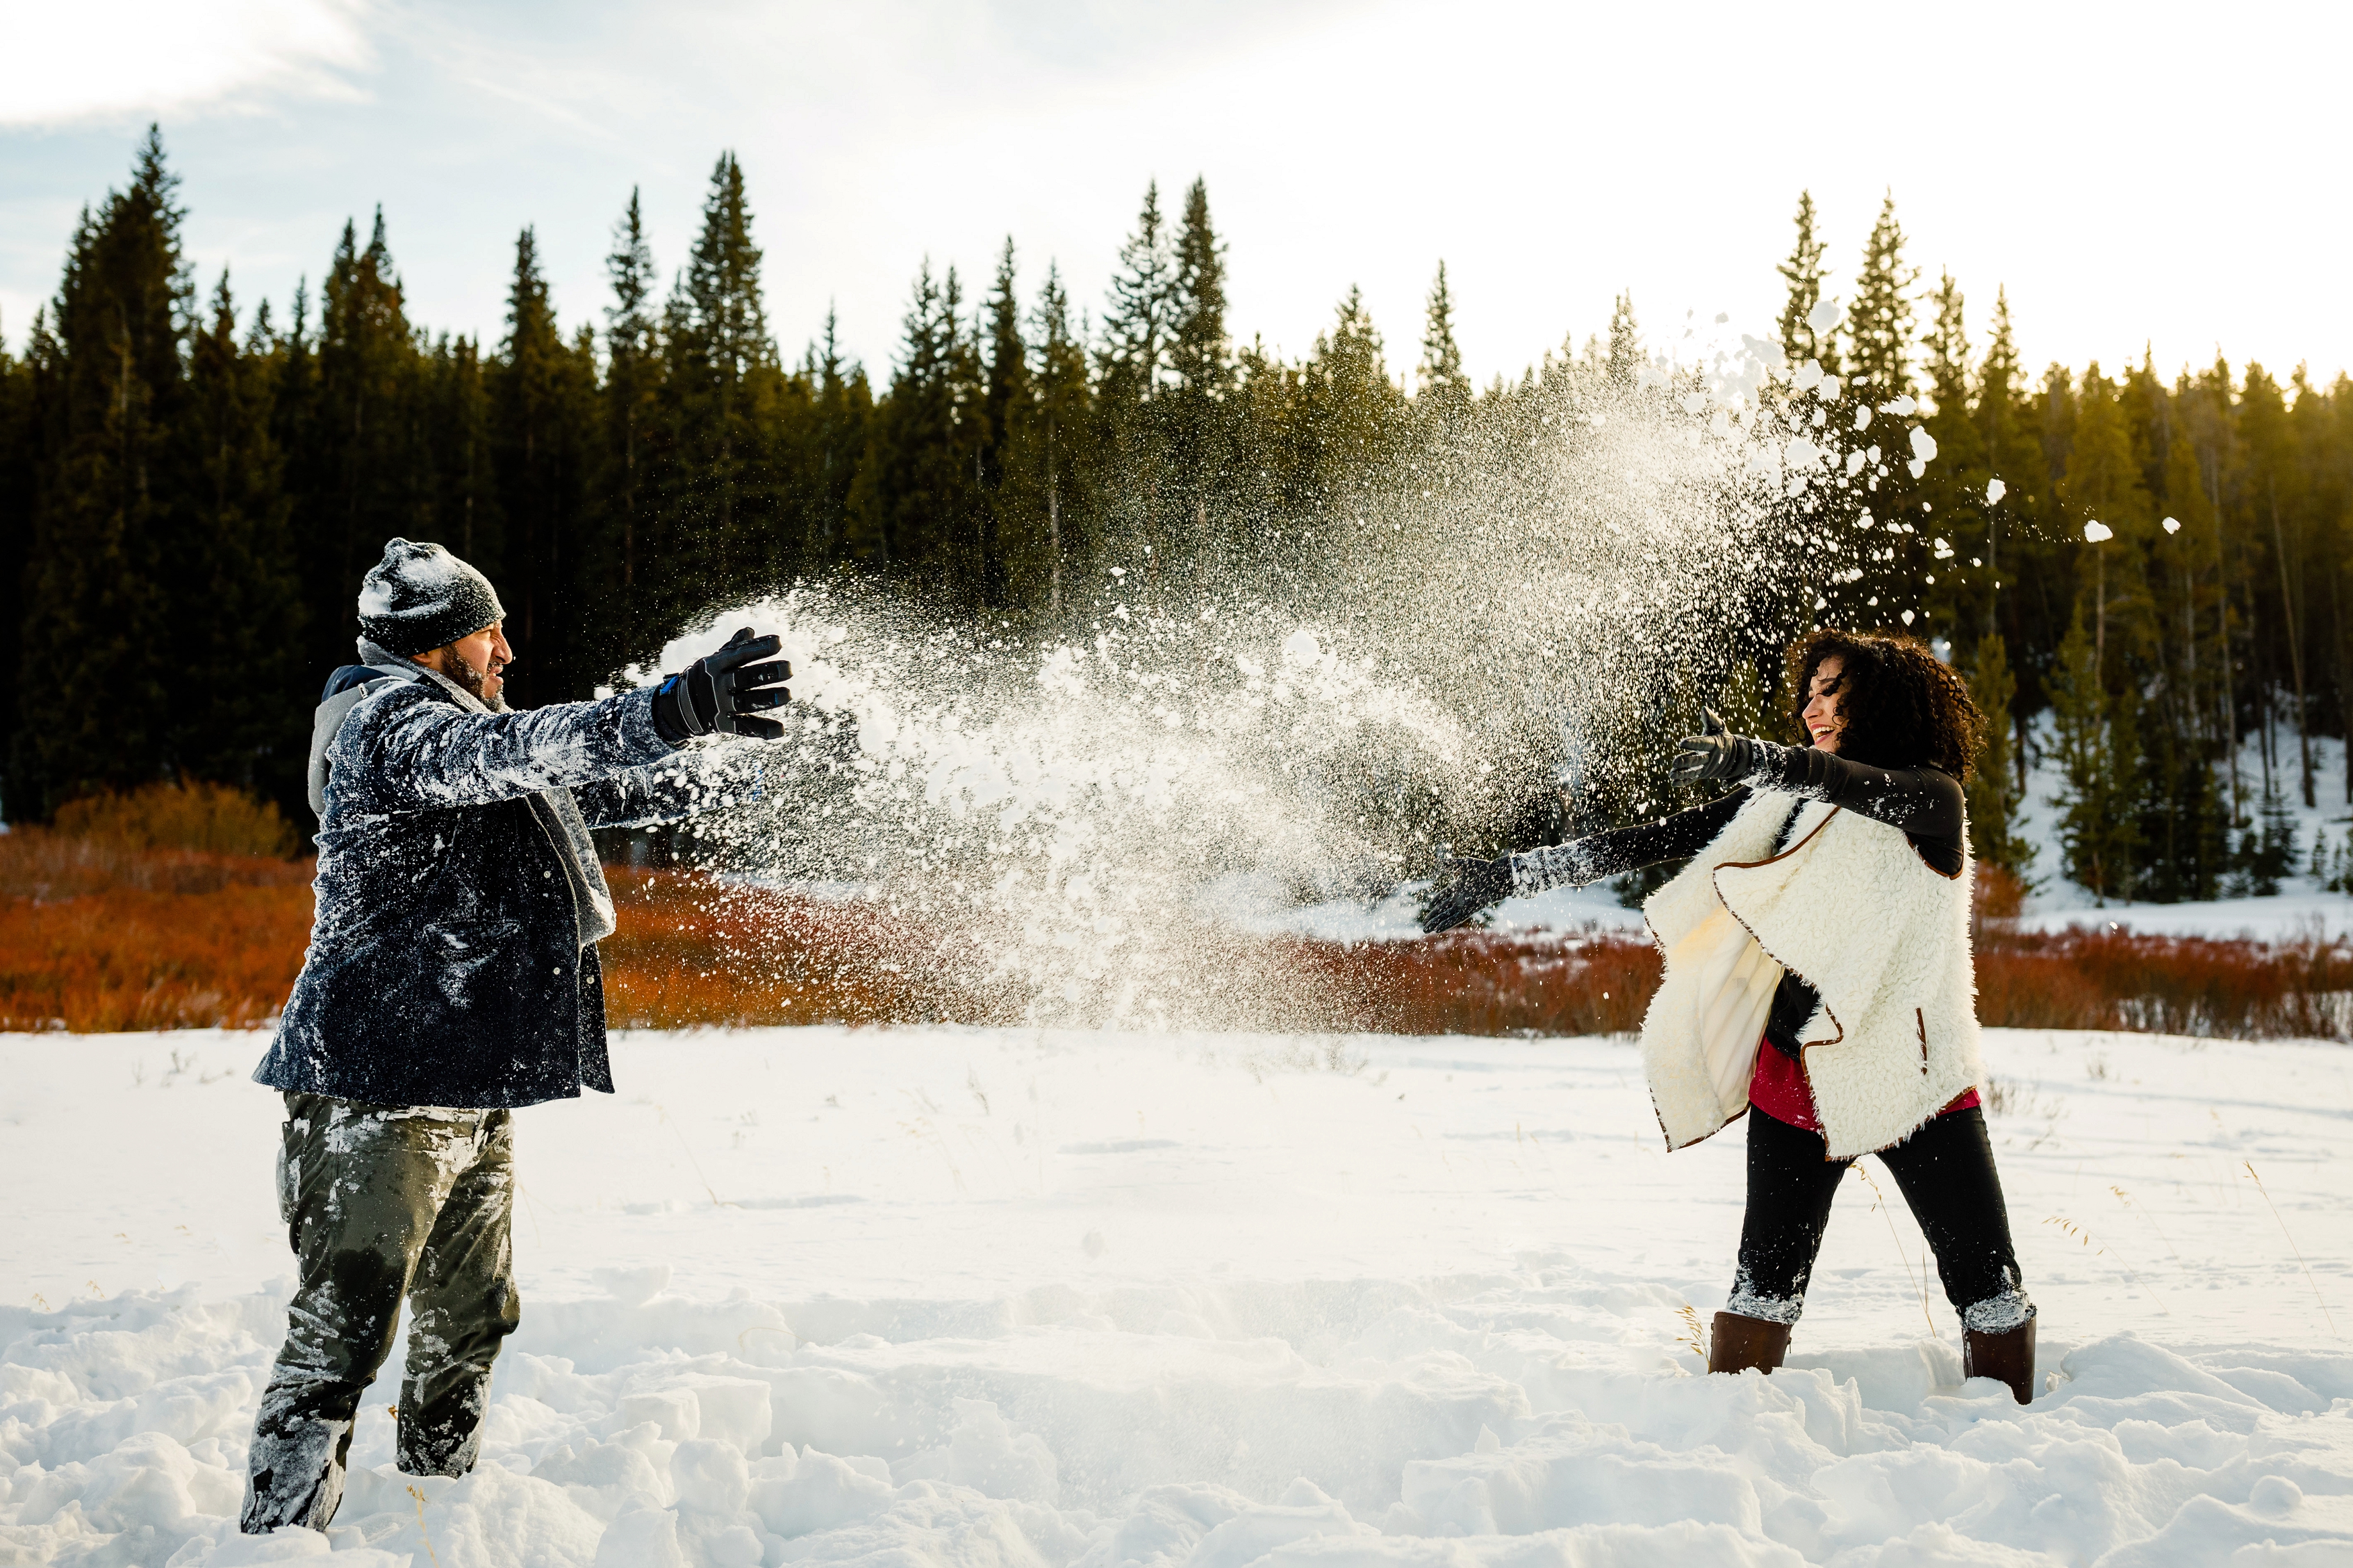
pixel 451 976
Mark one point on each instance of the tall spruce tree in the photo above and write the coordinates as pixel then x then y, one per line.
pixel 1049 514
pixel 1800 340
pixel 357 475
pixel 1879 321
pixel 1445 390
pixel 1993 797
pixel 233 602
pixel 1137 329
pixel 1008 388
pixel 19 446
pixel 1138 326
pixel 913 505
pixel 1194 414
pixel 722 376
pixel 841 407
pixel 2099 765
pixel 1200 354
pixel 542 406
pixel 631 392
pixel 1351 410
pixel 1625 359
pixel 97 592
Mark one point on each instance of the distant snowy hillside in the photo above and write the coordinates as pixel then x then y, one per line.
pixel 2301 905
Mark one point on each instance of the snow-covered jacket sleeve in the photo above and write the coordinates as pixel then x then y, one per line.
pixel 677 787
pixel 406 749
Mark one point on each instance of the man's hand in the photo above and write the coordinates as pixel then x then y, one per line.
pixel 1464 888
pixel 1717 755
pixel 724 693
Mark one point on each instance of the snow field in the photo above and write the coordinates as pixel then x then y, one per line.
pixel 1011 1298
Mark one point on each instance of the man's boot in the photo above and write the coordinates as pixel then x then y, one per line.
pixel 1736 1344
pixel 2005 1357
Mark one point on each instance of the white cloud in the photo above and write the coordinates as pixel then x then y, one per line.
pixel 98 62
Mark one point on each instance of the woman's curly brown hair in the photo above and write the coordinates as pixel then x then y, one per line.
pixel 1902 706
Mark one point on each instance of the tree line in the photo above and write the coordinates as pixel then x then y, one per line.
pixel 189 491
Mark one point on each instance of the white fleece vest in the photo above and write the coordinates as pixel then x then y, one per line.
pixel 1851 908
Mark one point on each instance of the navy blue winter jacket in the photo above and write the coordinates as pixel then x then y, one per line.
pixel 447 964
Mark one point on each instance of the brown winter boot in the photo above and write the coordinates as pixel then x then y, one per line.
pixel 1736 1344
pixel 2005 1357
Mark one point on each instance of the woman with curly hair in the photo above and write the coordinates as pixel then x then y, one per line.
pixel 1819 981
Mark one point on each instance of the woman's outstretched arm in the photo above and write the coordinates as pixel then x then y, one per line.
pixel 1468 886
pixel 1600 855
pixel 1923 802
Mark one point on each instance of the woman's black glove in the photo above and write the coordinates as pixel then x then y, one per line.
pixel 1463 889
pixel 724 693
pixel 1717 755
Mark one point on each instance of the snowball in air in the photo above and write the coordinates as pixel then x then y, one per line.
pixel 2098 533
pixel 1995 490
pixel 2173 525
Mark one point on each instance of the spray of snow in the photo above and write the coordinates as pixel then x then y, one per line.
pixel 1525 617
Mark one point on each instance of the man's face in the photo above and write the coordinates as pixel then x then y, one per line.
pixel 475 661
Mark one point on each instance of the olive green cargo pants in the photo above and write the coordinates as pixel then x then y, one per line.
pixel 384 1203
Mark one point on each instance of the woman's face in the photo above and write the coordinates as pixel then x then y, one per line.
pixel 1821 713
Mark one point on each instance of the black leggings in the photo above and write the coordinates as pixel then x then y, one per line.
pixel 1945 1174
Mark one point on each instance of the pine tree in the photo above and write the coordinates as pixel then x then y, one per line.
pixel 2099 759
pixel 2102 485
pixel 232 602
pixel 1445 395
pixel 1200 355
pixel 632 382
pixel 1351 407
pixel 913 503
pixel 1800 340
pixel 1959 583
pixel 1625 361
pixel 719 382
pixel 540 404
pixel 1051 471
pixel 97 597
pixel 842 406
pixel 1879 324
pixel 1992 796
pixel 461 495
pixel 1194 416
pixel 357 475
pixel 20 401
pixel 1008 388
pixel 1138 326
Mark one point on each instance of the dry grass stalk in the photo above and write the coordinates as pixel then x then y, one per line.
pixel 2080 1234
pixel 2291 1246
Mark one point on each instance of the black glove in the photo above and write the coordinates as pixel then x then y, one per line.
pixel 1463 889
pixel 723 693
pixel 1717 755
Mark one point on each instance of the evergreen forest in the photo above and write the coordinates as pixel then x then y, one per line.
pixel 190 485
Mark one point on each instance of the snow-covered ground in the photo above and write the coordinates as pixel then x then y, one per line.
pixel 1004 1298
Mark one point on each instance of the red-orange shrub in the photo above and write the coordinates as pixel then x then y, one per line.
pixel 95 936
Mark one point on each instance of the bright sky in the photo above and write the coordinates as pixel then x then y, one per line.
pixel 2134 174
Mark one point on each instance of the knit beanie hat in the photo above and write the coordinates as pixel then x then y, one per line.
pixel 420 597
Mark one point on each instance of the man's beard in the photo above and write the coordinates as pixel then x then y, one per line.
pixel 476 682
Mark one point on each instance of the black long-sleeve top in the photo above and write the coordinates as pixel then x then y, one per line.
pixel 1923 802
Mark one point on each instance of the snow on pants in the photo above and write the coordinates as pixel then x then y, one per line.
pixel 382 1203
pixel 1946 1173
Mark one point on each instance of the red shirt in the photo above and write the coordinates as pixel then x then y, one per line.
pixel 1779 1090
